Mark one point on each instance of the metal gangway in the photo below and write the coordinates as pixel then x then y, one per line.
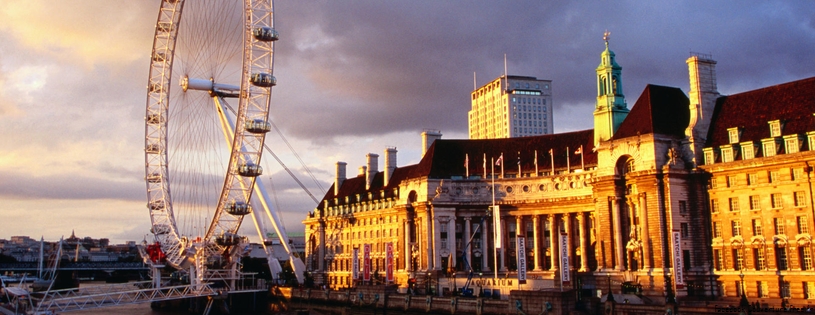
pixel 115 294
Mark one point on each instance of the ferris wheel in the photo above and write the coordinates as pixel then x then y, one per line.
pixel 208 98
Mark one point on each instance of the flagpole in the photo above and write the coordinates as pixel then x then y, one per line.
pixel 536 163
pixel 467 165
pixel 582 165
pixel 519 164
pixel 494 248
pixel 502 164
pixel 568 162
pixel 552 156
pixel 485 166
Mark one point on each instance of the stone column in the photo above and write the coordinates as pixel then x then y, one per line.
pixel 618 237
pixel 451 237
pixel 485 250
pixel 553 245
pixel 567 226
pixel 433 248
pixel 645 237
pixel 536 236
pixel 321 250
pixel 581 224
pixel 408 254
pixel 468 254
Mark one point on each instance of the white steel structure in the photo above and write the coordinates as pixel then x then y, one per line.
pixel 202 155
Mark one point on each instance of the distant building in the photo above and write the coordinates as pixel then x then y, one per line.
pixel 511 106
pixel 697 196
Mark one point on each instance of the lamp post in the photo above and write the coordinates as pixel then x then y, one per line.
pixel 427 284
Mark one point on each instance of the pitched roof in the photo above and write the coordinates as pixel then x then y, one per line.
pixel 793 103
pixel 659 109
pixel 445 159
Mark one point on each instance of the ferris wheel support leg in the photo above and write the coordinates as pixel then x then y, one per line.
pixel 297 265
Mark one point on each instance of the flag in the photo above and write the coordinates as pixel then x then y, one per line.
pixel 500 160
pixel 496 222
pixel 579 150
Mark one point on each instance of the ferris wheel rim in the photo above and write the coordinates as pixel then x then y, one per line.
pixel 247 143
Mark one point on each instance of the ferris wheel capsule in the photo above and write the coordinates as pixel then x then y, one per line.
pixel 238 208
pixel 265 33
pixel 250 170
pixel 258 126
pixel 228 239
pixel 263 79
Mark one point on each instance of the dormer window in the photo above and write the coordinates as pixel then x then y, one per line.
pixel 769 147
pixel 775 128
pixel 748 150
pixel 733 135
pixel 727 153
pixel 710 156
pixel 792 144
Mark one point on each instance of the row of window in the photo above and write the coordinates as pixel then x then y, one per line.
pixel 773 176
pixel 799 199
pixel 737 259
pixel 801 223
pixel 763 289
pixel 750 150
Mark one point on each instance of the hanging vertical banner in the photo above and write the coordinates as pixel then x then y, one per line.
pixel 679 267
pixel 389 262
pixel 355 267
pixel 564 258
pixel 496 223
pixel 521 245
pixel 366 262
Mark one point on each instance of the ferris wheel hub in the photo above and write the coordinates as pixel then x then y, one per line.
pixel 188 83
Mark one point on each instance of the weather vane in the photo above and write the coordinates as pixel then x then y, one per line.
pixel 606 36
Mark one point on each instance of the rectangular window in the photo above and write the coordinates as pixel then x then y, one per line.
pixel 735 227
pixel 683 206
pixel 796 173
pixel 727 154
pixel 733 135
pixel 752 179
pixel 443 235
pixel 775 201
pixel 734 204
pixel 781 255
pixel 738 262
pixel 809 290
pixel 731 181
pixel 714 206
pixel 805 255
pixel 685 231
pixel 709 157
pixel 800 198
pixel 774 177
pixel 718 261
pixel 717 229
pixel 758 255
pixel 763 289
pixel 747 151
pixel 791 144
pixel 779 226
pixel 757 227
pixel 785 290
pixel 768 147
pixel 803 225
pixel 755 202
pixel 739 288
pixel 714 183
pixel 775 128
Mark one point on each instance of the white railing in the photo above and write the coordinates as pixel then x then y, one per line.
pixel 111 295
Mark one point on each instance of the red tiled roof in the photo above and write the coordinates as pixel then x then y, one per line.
pixel 793 103
pixel 660 109
pixel 445 158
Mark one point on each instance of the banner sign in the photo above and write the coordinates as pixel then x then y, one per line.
pixel 679 267
pixel 564 258
pixel 389 262
pixel 496 223
pixel 521 260
pixel 355 266
pixel 366 262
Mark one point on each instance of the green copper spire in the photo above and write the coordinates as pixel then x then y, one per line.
pixel 610 110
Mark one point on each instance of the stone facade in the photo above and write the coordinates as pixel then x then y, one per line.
pixel 644 209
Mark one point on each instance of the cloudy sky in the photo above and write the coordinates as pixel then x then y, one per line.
pixel 353 77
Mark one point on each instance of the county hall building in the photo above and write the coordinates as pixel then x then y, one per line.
pixel 697 196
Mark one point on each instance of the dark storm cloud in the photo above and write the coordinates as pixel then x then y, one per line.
pixel 386 67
